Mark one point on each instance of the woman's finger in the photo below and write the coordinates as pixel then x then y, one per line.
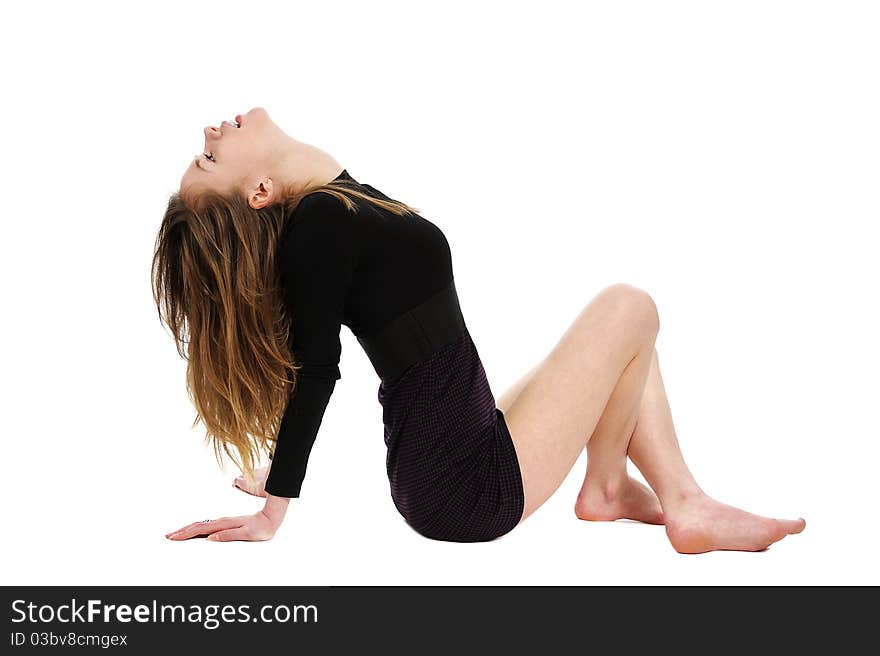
pixel 240 533
pixel 201 528
pixel 180 530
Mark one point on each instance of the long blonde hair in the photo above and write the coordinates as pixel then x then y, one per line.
pixel 216 285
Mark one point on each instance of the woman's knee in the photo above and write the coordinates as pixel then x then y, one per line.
pixel 635 306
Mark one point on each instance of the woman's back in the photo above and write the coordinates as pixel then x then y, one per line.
pixel 362 269
pixel 390 262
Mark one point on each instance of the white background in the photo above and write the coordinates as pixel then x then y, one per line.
pixel 722 156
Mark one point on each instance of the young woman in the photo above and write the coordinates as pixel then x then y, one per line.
pixel 270 246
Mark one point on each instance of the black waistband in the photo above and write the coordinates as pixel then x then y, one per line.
pixel 415 334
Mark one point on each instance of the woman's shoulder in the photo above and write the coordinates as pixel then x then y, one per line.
pixel 319 233
pixel 318 214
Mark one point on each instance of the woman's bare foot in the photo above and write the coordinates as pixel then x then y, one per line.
pixel 259 490
pixel 627 499
pixel 699 524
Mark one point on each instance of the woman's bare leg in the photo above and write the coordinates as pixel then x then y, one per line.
pixel 552 413
pixel 566 396
pixel 695 523
pixel 654 445
pixel 608 492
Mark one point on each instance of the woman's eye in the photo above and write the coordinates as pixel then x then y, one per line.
pixel 209 157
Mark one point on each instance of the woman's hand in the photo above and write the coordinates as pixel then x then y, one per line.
pixel 258 490
pixel 252 528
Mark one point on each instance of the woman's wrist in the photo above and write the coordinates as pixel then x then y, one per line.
pixel 275 508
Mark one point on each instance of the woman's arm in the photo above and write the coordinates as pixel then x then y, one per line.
pixel 275 508
pixel 317 259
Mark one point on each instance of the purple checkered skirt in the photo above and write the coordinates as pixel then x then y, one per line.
pixel 451 462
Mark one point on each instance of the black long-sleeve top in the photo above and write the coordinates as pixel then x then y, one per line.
pixel 361 269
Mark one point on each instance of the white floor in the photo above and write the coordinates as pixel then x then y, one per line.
pixel 102 535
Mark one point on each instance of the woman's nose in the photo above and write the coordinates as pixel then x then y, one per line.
pixel 211 132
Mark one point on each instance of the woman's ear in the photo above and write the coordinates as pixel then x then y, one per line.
pixel 262 195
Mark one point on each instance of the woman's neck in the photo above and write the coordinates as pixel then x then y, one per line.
pixel 305 166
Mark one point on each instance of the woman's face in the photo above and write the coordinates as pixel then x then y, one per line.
pixel 234 159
